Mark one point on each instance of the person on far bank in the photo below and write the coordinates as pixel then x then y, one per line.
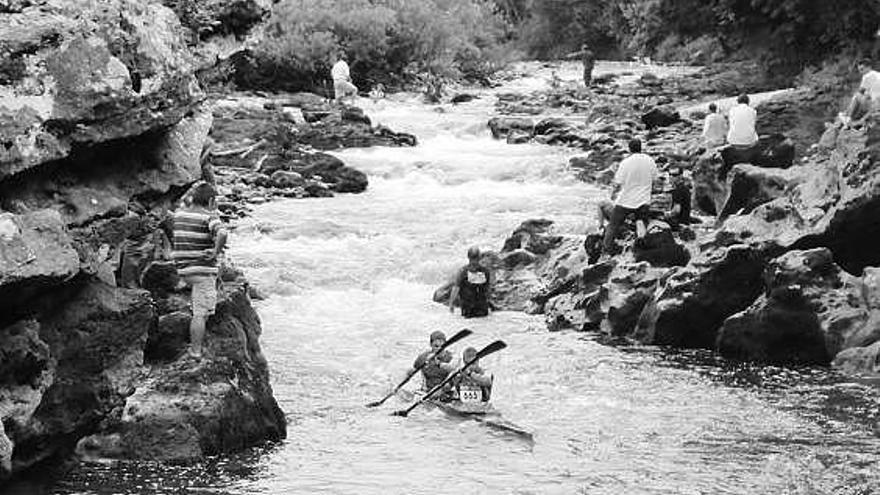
pixel 631 194
pixel 342 85
pixel 743 120
pixel 472 287
pixel 714 128
pixel 870 80
pixel 198 240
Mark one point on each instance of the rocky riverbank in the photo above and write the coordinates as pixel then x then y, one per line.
pixel 105 126
pixel 782 268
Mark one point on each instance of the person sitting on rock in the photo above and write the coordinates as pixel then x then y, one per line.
pixel 870 80
pixel 858 108
pixel 680 193
pixel 714 128
pixel 198 240
pixel 342 85
pixel 435 366
pixel 472 286
pixel 743 120
pixel 742 135
pixel 632 194
pixel 473 385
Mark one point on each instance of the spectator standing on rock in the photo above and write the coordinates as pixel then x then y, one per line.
pixel 588 58
pixel 199 238
pixel 342 85
pixel 632 193
pixel 473 286
pixel 589 61
pixel 870 80
pixel 714 128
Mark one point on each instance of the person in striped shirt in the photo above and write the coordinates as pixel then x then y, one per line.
pixel 199 238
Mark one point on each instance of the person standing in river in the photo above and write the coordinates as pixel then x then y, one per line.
pixel 199 238
pixel 472 286
pixel 631 194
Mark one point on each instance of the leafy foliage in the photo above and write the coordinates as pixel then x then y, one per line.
pixel 386 41
pixel 788 33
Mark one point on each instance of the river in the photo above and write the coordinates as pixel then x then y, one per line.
pixel 349 281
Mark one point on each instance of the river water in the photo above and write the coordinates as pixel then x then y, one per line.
pixel 349 281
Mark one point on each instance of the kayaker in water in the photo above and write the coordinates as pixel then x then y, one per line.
pixel 473 384
pixel 472 286
pixel 437 366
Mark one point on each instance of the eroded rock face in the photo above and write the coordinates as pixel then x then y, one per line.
pixel 749 186
pixel 810 311
pixel 36 253
pixel 695 300
pixel 75 368
pixel 109 71
pixel 186 409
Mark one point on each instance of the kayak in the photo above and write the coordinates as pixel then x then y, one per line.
pixel 483 413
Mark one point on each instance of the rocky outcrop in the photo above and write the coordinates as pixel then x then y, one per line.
pixel 265 148
pixel 104 74
pixel 809 312
pixel 186 409
pixel 104 125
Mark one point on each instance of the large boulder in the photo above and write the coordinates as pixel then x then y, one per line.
pixel 36 253
pixel 502 126
pixel 108 71
pixel 689 308
pixel 187 409
pixel 661 116
pixel 809 312
pixel 859 360
pixel 749 186
pixel 95 350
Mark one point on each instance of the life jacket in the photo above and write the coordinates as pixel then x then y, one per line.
pixel 432 373
pixel 469 390
pixel 473 286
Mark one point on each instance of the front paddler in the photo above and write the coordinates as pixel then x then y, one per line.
pixel 474 385
pixel 437 365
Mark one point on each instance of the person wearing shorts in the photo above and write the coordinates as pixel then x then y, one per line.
pixel 632 193
pixel 199 238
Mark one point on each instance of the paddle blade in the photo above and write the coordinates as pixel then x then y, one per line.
pixel 375 404
pixel 489 349
pixel 401 413
pixel 464 332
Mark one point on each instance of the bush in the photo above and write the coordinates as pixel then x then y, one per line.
pixel 388 41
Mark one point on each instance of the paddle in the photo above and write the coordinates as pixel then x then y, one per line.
pixel 485 351
pixel 455 338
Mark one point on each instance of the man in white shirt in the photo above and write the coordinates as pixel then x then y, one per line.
pixel 870 80
pixel 342 86
pixel 714 128
pixel 743 119
pixel 632 193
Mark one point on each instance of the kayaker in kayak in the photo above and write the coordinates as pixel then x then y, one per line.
pixel 473 384
pixel 437 366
